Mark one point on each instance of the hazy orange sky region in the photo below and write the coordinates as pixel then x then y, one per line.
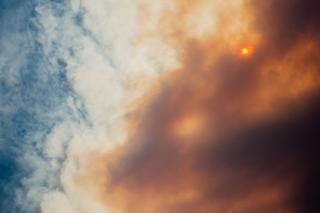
pixel 231 124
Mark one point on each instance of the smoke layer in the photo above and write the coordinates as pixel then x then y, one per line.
pixel 227 132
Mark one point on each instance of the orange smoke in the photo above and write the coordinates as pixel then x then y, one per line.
pixel 230 78
pixel 189 125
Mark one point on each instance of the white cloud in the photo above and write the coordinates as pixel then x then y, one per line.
pixel 101 58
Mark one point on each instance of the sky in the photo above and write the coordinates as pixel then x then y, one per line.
pixel 152 106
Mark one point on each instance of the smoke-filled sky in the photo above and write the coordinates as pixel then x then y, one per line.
pixel 159 106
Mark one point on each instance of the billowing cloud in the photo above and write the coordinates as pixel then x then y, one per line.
pixel 231 130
